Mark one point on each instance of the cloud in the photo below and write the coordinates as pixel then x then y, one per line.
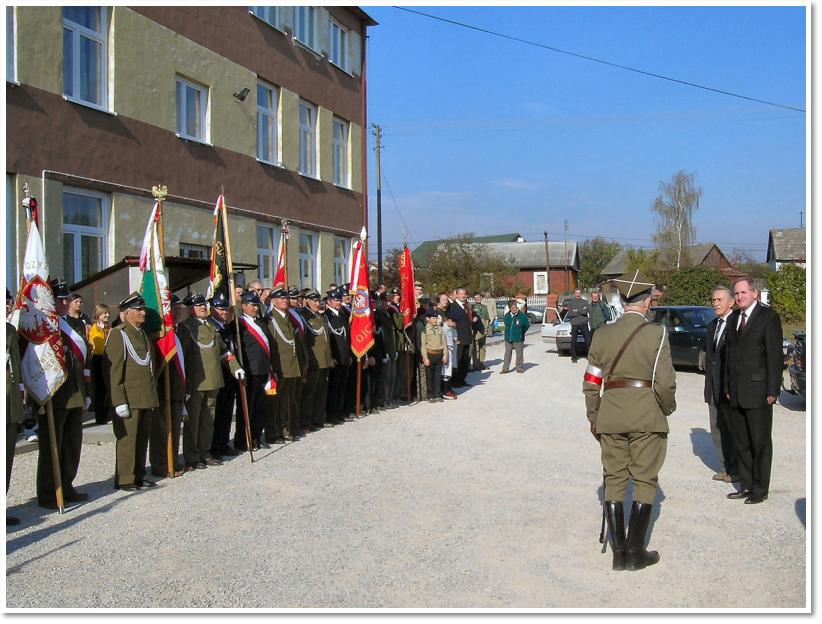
pixel 519 185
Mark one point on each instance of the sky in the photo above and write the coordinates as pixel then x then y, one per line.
pixel 487 135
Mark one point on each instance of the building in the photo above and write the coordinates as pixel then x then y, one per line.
pixel 102 103
pixel 707 255
pixel 532 271
pixel 786 246
pixel 425 250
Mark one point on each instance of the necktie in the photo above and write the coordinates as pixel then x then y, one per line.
pixel 742 324
pixel 718 331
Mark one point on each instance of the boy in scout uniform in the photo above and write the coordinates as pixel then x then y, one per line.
pixel 14 398
pixel 133 393
pixel 434 355
pixel 205 354
pixel 315 390
pixel 630 388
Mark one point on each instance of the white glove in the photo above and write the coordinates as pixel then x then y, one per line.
pixel 122 411
pixel 239 374
pixel 385 360
pixel 86 404
pixel 185 411
pixel 188 396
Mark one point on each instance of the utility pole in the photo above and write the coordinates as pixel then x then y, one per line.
pixel 547 265
pixel 378 133
pixel 565 255
pixel 801 223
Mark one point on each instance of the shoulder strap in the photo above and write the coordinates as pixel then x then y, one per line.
pixel 623 347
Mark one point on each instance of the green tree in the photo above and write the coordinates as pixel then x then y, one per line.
pixel 390 269
pixel 674 209
pixel 693 285
pixel 648 263
pixel 594 255
pixel 787 292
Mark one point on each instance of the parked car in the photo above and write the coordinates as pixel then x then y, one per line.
pixel 557 332
pixel 686 326
pixel 535 312
pixel 797 369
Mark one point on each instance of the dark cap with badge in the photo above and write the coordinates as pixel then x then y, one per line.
pixel 250 297
pixel 134 301
pixel 394 291
pixel 312 294
pixel 175 300
pixel 60 288
pixel 335 294
pixel 345 289
pixel 293 292
pixel 279 293
pixel 220 302
pixel 195 299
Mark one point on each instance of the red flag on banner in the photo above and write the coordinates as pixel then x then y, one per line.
pixel 362 320
pixel 281 276
pixel 408 301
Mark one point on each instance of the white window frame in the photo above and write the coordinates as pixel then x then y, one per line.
pixel 265 254
pixel 268 14
pixel 309 259
pixel 204 110
pixel 341 268
pixel 306 33
pixel 79 231
pixel 340 156
pixel 99 37
pixel 273 116
pixel 541 291
pixel 308 162
pixel 11 45
pixel 338 37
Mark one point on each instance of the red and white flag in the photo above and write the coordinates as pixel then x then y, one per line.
pixel 362 320
pixel 43 361
pixel 281 276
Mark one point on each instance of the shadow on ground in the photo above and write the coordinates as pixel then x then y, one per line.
pixel 703 446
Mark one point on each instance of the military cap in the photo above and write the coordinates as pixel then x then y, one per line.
pixel 305 291
pixel 424 301
pixel 335 294
pixel 175 299
pixel 250 297
pixel 394 291
pixel 429 312
pixel 345 289
pixel 220 302
pixel 310 293
pixel 195 299
pixel 383 296
pixel 8 295
pixel 134 301
pixel 60 288
pixel 279 293
pixel 293 292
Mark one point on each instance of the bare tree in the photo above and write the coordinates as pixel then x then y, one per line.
pixel 674 209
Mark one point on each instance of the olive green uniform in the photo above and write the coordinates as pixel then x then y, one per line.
pixel 14 396
pixel 480 336
pixel 132 383
pixel 315 390
pixel 289 383
pixel 631 422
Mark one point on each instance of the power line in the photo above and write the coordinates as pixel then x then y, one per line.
pixel 394 201
pixel 596 60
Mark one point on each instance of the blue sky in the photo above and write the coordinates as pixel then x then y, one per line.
pixel 487 135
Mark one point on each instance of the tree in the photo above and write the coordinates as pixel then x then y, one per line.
pixel 647 262
pixel 693 285
pixel 744 263
pixel 390 269
pixel 594 255
pixel 674 209
pixel 787 292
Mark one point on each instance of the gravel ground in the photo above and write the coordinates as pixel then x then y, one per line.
pixel 491 501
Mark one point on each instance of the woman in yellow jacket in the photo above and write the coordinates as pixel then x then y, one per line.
pixel 97 334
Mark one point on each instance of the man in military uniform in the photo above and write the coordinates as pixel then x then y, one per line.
pixel 480 329
pixel 70 402
pixel 341 357
pixel 15 393
pixel 295 304
pixel 286 420
pixel 315 391
pixel 133 389
pixel 397 385
pixel 222 318
pixel 629 388
pixel 385 326
pixel 205 354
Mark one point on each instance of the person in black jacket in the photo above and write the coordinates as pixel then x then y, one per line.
pixel 719 408
pixel 338 384
pixel 465 317
pixel 754 381
pixel 222 318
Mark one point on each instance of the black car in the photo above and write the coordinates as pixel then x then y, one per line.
pixel 687 326
pixel 797 369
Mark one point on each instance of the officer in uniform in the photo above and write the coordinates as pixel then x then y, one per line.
pixel 15 392
pixel 133 387
pixel 480 329
pixel 205 354
pixel 396 388
pixel 286 419
pixel 629 388
pixel 222 318
pixel 295 304
pixel 386 327
pixel 340 371
pixel 70 402
pixel 315 390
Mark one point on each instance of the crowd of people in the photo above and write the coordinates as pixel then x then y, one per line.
pixel 278 359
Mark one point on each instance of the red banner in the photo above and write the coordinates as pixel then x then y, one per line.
pixel 281 276
pixel 362 320
pixel 408 301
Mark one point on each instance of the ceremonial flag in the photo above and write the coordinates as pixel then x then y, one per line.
pixel 43 363
pixel 159 323
pixel 362 321
pixel 408 300
pixel 218 277
pixel 281 276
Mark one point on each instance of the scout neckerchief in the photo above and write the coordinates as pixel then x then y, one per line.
pixel 77 344
pixel 249 323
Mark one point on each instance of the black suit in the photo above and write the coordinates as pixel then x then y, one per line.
pixel 227 395
pixel 754 372
pixel 258 366
pixel 715 397
pixel 464 338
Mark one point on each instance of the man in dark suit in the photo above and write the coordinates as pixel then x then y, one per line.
pixel 340 354
pixel 754 380
pixel 464 315
pixel 719 407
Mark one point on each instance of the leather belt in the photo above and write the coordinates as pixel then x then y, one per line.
pixel 627 383
pixel 434 352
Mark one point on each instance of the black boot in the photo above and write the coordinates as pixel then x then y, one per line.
pixel 616 532
pixel 636 556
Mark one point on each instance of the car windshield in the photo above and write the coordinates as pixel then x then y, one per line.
pixel 699 317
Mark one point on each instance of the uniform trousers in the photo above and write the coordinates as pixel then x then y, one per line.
pixel 478 351
pixel 11 444
pixel 637 456
pixel 132 443
pixel 509 347
pixel 402 384
pixel 461 365
pixel 314 398
pixel 68 428
pixel 258 407
pixel 751 430
pixel 198 431
pixel 337 387
pixel 158 439
pixel 287 407
pixel 719 416
pixel 101 404
pixel 433 376
pixel 223 413
pixel 389 379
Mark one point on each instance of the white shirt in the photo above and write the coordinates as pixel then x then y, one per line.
pixel 720 327
pixel 747 312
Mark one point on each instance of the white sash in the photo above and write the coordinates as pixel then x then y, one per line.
pixel 76 342
pixel 248 321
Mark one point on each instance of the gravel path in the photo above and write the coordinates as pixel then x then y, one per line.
pixel 491 501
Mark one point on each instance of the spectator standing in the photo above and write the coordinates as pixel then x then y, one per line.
pixel 464 317
pixel 598 313
pixel 97 334
pixel 577 311
pixel 434 355
pixel 449 328
pixel 516 324
pixel 480 328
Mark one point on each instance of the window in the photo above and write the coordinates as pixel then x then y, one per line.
pixel 266 13
pixel 11 74
pixel 84 54
pixel 341 153
pixel 192 250
pixel 85 227
pixel 308 139
pixel 267 126
pixel 307 261
pixel 12 282
pixel 339 45
pixel 540 283
pixel 268 240
pixel 305 24
pixel 192 110
pixel 342 247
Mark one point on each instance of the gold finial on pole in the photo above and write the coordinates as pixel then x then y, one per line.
pixel 222 190
pixel 286 229
pixel 159 192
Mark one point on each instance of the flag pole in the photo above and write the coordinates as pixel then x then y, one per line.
pixel 159 193
pixel 286 235
pixel 55 457
pixel 233 295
